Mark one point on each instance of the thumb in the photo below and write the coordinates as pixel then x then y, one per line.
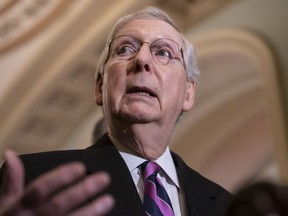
pixel 13 180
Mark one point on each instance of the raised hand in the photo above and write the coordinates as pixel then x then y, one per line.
pixel 63 191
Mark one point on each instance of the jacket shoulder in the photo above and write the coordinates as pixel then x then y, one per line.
pixel 203 196
pixel 36 164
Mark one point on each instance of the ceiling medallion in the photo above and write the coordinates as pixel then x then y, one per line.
pixel 21 20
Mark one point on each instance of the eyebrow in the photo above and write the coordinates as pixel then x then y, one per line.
pixel 157 38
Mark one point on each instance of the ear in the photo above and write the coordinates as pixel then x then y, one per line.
pixel 190 95
pixel 98 95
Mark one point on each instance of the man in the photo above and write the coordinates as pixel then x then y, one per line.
pixel 145 80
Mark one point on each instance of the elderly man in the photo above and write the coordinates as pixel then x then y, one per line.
pixel 145 80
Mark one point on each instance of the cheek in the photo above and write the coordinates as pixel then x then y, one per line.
pixel 175 93
pixel 114 82
pixel 175 82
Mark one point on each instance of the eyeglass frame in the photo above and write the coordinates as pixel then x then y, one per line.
pixel 180 49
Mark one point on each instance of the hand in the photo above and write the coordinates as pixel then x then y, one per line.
pixel 62 191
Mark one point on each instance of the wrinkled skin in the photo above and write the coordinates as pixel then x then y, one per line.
pixel 142 99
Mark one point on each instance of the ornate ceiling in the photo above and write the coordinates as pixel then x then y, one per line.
pixel 48 55
pixel 64 95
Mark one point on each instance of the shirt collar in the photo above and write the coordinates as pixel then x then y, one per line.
pixel 133 161
pixel 167 164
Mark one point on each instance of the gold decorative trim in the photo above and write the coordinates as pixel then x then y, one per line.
pixel 29 33
pixel 7 6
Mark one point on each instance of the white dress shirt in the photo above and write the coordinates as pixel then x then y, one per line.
pixel 168 175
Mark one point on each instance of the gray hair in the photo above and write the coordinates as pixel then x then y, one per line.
pixel 190 64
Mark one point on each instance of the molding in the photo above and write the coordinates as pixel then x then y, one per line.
pixel 242 42
pixel 21 20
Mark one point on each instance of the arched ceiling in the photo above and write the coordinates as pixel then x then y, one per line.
pixel 56 45
pixel 48 55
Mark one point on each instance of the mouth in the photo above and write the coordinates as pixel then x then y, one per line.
pixel 141 91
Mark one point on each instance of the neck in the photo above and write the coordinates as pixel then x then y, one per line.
pixel 145 140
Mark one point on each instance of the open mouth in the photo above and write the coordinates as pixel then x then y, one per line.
pixel 141 91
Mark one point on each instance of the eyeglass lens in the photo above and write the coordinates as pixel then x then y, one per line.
pixel 162 50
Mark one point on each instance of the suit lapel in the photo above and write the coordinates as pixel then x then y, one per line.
pixel 200 195
pixel 104 156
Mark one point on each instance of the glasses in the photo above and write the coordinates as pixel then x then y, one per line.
pixel 163 50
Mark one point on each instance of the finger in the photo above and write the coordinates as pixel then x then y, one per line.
pixel 101 206
pixel 13 182
pixel 75 195
pixel 48 184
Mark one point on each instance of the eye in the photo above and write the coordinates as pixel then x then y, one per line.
pixel 125 46
pixel 163 52
pixel 125 49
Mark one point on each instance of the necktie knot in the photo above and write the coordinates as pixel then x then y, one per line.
pixel 149 169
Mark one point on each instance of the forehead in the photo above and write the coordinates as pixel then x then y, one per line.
pixel 149 30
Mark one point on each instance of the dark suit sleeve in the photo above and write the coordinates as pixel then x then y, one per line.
pixel 40 163
pixel 101 157
pixel 2 178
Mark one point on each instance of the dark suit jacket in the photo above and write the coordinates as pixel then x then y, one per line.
pixel 203 197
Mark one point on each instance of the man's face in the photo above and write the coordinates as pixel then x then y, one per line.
pixel 139 89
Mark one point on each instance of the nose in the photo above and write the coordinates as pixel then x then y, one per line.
pixel 143 59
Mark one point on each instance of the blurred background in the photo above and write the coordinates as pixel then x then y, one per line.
pixel 235 134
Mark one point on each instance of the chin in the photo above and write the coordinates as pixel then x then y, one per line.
pixel 138 117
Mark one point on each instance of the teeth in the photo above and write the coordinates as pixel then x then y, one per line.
pixel 143 93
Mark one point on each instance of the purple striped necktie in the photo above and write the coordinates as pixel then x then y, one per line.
pixel 156 200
